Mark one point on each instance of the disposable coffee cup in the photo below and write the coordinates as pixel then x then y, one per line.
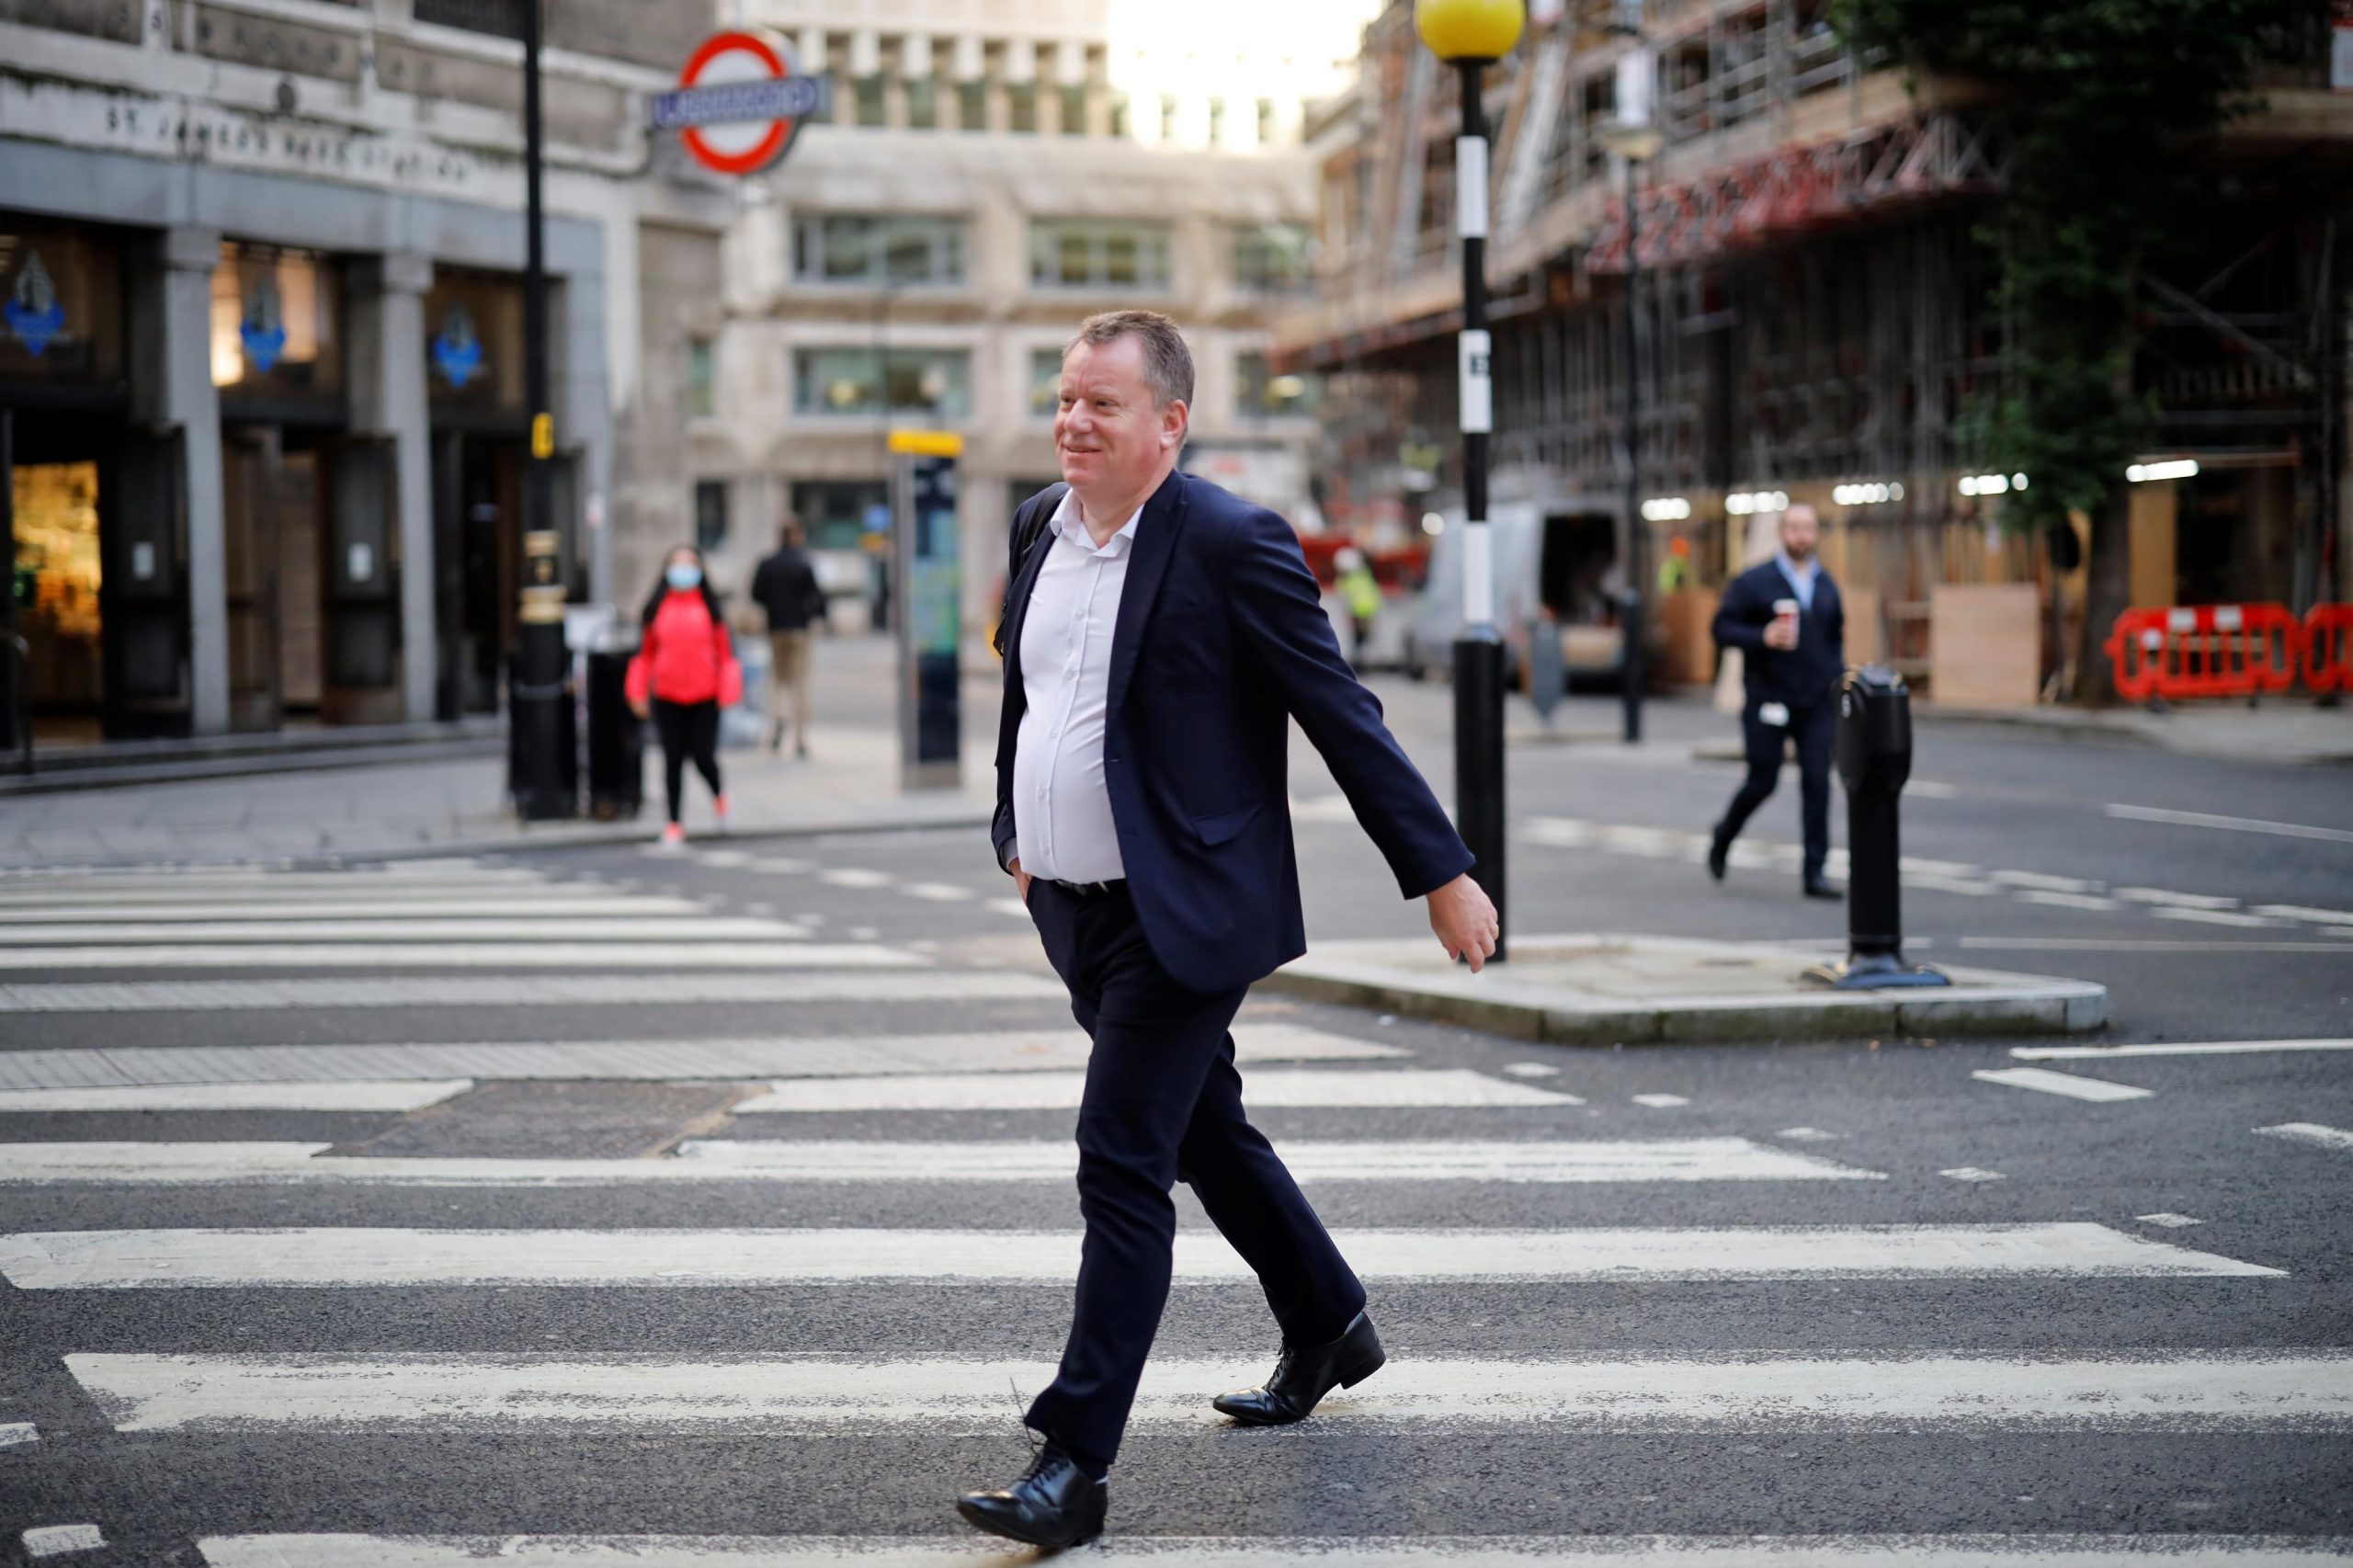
pixel 1787 611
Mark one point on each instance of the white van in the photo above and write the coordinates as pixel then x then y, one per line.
pixel 1547 565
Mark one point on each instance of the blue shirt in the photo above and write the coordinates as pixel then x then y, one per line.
pixel 1801 578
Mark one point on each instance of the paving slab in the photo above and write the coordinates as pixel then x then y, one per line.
pixel 1638 989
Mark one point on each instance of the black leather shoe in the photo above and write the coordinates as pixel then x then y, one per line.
pixel 1305 1375
pixel 1718 852
pixel 1053 1504
pixel 1817 888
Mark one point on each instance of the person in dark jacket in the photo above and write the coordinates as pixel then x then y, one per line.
pixel 1786 617
pixel 785 587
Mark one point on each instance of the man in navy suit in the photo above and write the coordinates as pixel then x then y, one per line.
pixel 1787 619
pixel 1160 635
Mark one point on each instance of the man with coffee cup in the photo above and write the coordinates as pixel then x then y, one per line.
pixel 1786 617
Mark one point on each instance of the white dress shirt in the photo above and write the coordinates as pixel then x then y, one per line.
pixel 1801 579
pixel 1062 808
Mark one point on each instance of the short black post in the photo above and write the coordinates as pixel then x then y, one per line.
pixel 1874 753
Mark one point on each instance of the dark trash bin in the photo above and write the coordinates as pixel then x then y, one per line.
pixel 616 740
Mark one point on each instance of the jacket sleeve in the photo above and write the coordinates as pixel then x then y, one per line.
pixel 1736 624
pixel 638 683
pixel 1002 832
pixel 731 674
pixel 1838 623
pixel 1272 599
pixel 813 593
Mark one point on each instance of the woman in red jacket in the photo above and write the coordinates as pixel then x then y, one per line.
pixel 685 672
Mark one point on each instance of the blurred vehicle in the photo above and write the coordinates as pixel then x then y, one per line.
pixel 1379 642
pixel 1561 565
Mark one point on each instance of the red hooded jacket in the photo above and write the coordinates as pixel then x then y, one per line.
pixel 686 655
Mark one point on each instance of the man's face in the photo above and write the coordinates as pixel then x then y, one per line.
pixel 1108 432
pixel 1799 532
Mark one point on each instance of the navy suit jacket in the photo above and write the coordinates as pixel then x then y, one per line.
pixel 1800 676
pixel 1220 642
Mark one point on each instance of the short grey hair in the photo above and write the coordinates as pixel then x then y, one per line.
pixel 1168 363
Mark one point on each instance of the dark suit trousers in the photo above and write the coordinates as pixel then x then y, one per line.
pixel 1163 1104
pixel 1814 729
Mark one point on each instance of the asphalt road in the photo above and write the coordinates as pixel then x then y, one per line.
pixel 1842 1300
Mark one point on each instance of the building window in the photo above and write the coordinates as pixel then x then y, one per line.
pixel 972 106
pixel 1021 107
pixel 500 18
pixel 702 377
pixel 933 383
pixel 274 317
pixel 1082 254
pixel 1273 258
pixel 835 247
pixel 1217 122
pixel 1045 382
pixel 1266 123
pixel 839 513
pixel 1168 117
pixel 710 515
pixel 923 105
pixel 868 91
pixel 1120 114
pixel 1074 111
pixel 1259 393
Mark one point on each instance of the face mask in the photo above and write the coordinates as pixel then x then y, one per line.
pixel 682 577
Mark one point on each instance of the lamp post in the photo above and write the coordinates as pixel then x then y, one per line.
pixel 1632 135
pixel 539 778
pixel 1469 35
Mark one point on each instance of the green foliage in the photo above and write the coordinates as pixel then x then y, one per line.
pixel 2103 98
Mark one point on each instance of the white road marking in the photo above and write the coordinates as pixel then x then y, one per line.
pixel 1660 1102
pixel 2217 917
pixel 1532 1070
pixel 2044 1081
pixel 2306 911
pixel 1012 906
pixel 455 990
pixel 1291 1552
pixel 939 893
pixel 467 955
pixel 278 884
pixel 2175 900
pixel 1688 1159
pixel 356 1095
pixel 2044 882
pixel 540 930
pixel 1805 1135
pixel 2233 825
pixel 2311 1133
pixel 56 1540
pixel 1060 1091
pixel 781 866
pixel 2182 1048
pixel 722 859
pixel 2170 1221
pixel 144 1164
pixel 2138 944
pixel 1970 1173
pixel 2067 899
pixel 1935 882
pixel 2307 1392
pixel 854 877
pixel 376 1258
pixel 19 1434
pixel 483 906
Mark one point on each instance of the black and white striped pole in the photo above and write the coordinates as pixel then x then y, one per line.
pixel 1470 35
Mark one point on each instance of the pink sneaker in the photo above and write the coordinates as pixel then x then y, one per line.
pixel 719 806
pixel 672 836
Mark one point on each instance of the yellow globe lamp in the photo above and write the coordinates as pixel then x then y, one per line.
pixel 1461 30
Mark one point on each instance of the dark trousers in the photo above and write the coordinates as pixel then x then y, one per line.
pixel 689 730
pixel 1812 728
pixel 1163 1104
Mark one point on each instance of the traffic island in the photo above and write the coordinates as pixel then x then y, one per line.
pixel 1625 990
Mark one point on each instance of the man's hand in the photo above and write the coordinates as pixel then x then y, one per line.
pixel 1781 634
pixel 1020 878
pixel 1465 921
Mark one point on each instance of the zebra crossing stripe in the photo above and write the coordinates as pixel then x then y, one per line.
pixel 376 906
pixel 992 1052
pixel 372 1257
pixel 542 931
pixel 459 991
pixel 1419 1088
pixel 135 1163
pixel 2305 1392
pixel 2069 1085
pixel 357 1095
pixel 470 955
pixel 1282 1551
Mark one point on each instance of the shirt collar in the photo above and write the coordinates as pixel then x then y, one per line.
pixel 1065 522
pixel 1794 572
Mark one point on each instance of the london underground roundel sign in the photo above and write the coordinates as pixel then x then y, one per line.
pixel 738 102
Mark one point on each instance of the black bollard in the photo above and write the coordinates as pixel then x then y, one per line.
pixel 1874 753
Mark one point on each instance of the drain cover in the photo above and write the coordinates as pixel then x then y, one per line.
pixel 539 1119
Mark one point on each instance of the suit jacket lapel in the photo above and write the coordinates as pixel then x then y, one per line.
pixel 1155 542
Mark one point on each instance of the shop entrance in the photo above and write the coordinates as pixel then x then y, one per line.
pixel 478 549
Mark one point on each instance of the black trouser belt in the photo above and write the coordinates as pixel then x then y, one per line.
pixel 1092 889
